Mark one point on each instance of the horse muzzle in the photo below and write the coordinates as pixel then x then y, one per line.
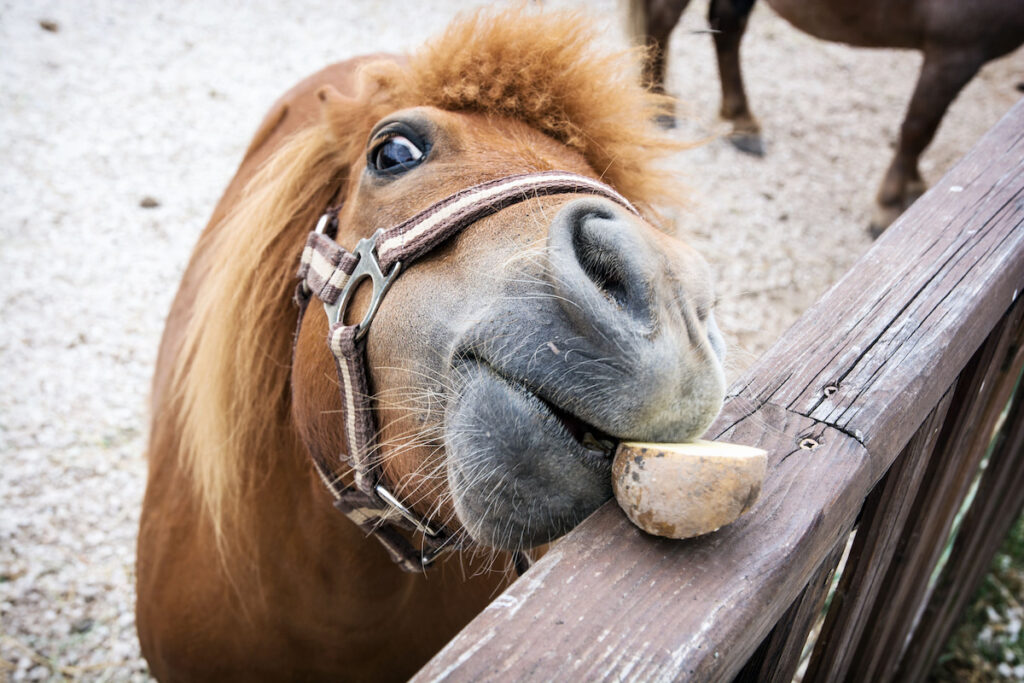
pixel 604 338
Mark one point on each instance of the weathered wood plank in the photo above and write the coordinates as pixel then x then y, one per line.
pixel 778 657
pixel 610 602
pixel 1003 503
pixel 981 392
pixel 883 522
pixel 997 504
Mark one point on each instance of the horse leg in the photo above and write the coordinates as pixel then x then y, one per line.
pixel 943 76
pixel 652 23
pixel 728 19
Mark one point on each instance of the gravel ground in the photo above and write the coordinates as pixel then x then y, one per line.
pixel 123 121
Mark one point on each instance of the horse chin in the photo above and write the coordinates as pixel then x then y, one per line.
pixel 518 475
pixel 523 471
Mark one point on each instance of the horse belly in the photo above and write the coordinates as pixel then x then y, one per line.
pixel 861 23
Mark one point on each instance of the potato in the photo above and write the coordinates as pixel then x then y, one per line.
pixel 681 490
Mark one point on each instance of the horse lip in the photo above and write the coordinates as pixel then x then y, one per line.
pixel 595 441
pixel 587 435
pixel 513 467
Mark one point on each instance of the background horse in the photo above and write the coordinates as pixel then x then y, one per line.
pixel 503 365
pixel 956 37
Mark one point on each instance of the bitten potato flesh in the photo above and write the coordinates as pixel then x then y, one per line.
pixel 681 490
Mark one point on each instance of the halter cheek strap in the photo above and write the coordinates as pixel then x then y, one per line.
pixel 331 273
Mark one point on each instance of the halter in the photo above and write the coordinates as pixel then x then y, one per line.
pixel 332 274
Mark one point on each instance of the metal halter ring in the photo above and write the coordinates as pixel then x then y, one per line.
pixel 366 267
pixel 405 512
pixel 427 555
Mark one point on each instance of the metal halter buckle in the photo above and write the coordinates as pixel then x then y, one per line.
pixel 427 556
pixel 405 512
pixel 367 266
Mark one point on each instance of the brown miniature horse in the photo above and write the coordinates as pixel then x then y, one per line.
pixel 957 38
pixel 503 365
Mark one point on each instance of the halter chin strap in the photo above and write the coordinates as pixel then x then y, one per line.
pixel 331 273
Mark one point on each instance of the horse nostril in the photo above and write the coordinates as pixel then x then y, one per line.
pixel 602 265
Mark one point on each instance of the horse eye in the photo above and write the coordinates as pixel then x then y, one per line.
pixel 395 155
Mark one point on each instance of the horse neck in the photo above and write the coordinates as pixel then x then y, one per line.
pixel 309 592
pixel 301 541
pixel 320 574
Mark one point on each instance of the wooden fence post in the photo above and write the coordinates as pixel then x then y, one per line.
pixel 997 504
pixel 778 657
pixel 885 586
pixel 885 517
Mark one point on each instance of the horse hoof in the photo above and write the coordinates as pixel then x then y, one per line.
pixel 915 188
pixel 666 121
pixel 883 217
pixel 748 143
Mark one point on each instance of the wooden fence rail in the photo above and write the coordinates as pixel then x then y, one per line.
pixel 878 408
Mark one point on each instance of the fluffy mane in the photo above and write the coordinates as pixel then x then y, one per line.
pixel 545 70
pixel 231 376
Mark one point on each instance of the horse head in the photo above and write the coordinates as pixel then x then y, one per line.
pixel 505 364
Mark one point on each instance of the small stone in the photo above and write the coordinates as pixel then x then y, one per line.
pixel 83 625
pixel 49 25
pixel 149 202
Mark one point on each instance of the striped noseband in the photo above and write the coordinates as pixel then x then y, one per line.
pixel 331 273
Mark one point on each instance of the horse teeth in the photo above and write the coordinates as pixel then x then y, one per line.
pixel 592 443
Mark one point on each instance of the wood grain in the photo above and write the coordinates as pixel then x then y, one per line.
pixel 997 504
pixel 884 520
pixel 982 391
pixel 778 658
pixel 852 381
pixel 896 330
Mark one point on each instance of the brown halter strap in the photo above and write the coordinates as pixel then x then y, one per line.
pixel 332 274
